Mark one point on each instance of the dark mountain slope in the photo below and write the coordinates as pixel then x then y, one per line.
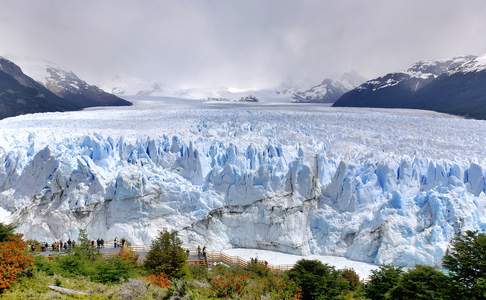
pixel 456 86
pixel 77 91
pixel 20 94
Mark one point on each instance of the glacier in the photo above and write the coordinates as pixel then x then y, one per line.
pixel 373 185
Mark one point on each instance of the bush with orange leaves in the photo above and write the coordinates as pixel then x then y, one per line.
pixel 229 284
pixel 14 260
pixel 128 254
pixel 160 280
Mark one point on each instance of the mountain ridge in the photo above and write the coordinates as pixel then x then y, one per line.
pixel 456 86
pixel 47 88
pixel 20 94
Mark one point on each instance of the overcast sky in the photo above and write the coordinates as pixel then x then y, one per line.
pixel 242 44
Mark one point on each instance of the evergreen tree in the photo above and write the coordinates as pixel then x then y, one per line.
pixel 352 278
pixel 167 256
pixel 421 283
pixel 381 281
pixel 84 247
pixel 318 280
pixel 6 230
pixel 466 263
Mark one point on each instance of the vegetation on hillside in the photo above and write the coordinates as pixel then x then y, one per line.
pixel 166 274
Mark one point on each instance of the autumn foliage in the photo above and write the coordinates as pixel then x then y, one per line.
pixel 229 284
pixel 160 280
pixel 128 255
pixel 14 260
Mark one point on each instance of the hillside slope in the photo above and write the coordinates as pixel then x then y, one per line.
pixel 20 94
pixel 68 85
pixel 456 86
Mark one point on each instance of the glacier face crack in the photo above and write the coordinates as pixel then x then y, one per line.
pixel 270 197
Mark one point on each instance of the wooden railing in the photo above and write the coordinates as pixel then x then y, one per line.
pixel 212 257
pixel 218 257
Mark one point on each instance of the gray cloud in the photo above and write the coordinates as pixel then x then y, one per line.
pixel 250 43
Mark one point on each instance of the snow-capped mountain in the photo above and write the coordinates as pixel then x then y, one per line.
pixel 130 86
pixel 140 89
pixel 67 85
pixel 20 94
pixel 373 186
pixel 455 86
pixel 329 90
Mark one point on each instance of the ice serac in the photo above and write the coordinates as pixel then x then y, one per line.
pixel 402 211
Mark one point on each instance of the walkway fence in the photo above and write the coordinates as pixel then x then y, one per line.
pixel 212 257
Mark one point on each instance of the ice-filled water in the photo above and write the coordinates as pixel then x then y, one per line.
pixel 374 185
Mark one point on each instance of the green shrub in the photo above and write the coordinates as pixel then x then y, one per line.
pixel 57 282
pixel 381 281
pixel 198 272
pixel 258 269
pixel 167 256
pixel 75 265
pixel 113 270
pixel 44 264
pixel 318 280
pixel 421 283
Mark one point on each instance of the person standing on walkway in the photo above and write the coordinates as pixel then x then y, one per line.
pixel 205 255
pixel 114 243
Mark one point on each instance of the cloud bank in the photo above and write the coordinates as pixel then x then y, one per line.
pixel 242 44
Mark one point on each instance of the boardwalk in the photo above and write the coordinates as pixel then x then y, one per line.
pixel 212 257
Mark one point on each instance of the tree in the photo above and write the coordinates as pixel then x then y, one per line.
pixel 6 231
pixel 381 281
pixel 167 256
pixel 84 248
pixel 421 283
pixel 466 263
pixel 318 280
pixel 352 278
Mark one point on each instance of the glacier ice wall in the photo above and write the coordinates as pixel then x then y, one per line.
pixel 402 211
